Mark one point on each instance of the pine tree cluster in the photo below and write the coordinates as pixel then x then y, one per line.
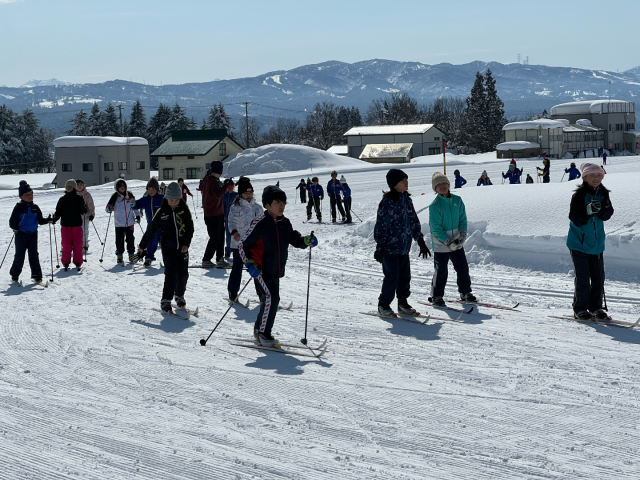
pixel 24 145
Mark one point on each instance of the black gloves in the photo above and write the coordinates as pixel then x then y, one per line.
pixel 378 255
pixel 91 217
pixel 424 250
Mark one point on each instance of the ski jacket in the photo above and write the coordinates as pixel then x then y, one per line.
pixel 482 183
pixel 301 186
pixel 212 193
pixel 227 201
pixel 514 177
pixel 267 241
pixel 459 182
pixel 241 214
pixel 26 217
pixel 447 218
pixel 175 225
pixel 545 172
pixel 529 180
pixel 123 208
pixel 346 191
pixel 315 190
pixel 397 224
pixel 185 192
pixel 586 232
pixel 150 205
pixel 334 187
pixel 70 209
pixel 573 173
pixel 88 199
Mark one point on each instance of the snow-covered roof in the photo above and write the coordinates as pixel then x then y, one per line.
pixel 585 107
pixel 543 123
pixel 339 149
pixel 390 129
pixel 517 145
pixel 386 150
pixel 581 127
pixel 72 141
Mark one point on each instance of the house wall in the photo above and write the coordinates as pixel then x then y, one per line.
pixel 421 142
pixel 179 165
pixel 551 142
pixel 610 123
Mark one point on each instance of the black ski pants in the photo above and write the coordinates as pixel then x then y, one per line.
pixel 441 272
pixel 121 233
pixel 269 301
pixel 347 209
pixel 26 241
pixel 336 200
pixel 303 195
pixel 176 272
pixel 589 281
pixel 314 202
pixel 216 231
pixel 397 278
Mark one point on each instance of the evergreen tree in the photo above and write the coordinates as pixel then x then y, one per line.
pixel 494 114
pixel 137 124
pixel 472 133
pixel 159 127
pixel 110 122
pixel 95 121
pixel 179 119
pixel 218 118
pixel 9 144
pixel 79 124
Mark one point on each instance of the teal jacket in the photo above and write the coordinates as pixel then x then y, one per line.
pixel 447 217
pixel 586 232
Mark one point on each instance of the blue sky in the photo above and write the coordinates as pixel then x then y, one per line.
pixel 184 41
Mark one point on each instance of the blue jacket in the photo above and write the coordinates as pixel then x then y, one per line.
pixel 460 182
pixel 397 224
pixel 484 182
pixel 334 187
pixel 26 217
pixel 586 232
pixel 227 201
pixel 315 190
pixel 346 191
pixel 514 177
pixel 573 173
pixel 150 205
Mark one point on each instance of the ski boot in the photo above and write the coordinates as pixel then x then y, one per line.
pixel 308 217
pixel 208 264
pixel 165 306
pixel 266 340
pixel 333 219
pixel 601 315
pixel 344 219
pixel 132 258
pixel 222 263
pixel 437 302
pixel 582 315
pixel 147 262
pixel 233 297
pixel 468 297
pixel 181 302
pixel 78 266
pixel 385 310
pixel 66 267
pixel 120 259
pixel 256 335
pixel 405 308
pixel 15 279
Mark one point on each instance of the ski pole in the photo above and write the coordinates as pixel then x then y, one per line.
pixel 97 234
pixel 105 237
pixel 306 316
pixel 51 251
pixel 563 176
pixel 203 342
pixel 194 206
pixel 357 216
pixel 5 253
pixel 55 238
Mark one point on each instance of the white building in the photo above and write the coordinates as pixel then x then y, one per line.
pixel 387 153
pixel 425 138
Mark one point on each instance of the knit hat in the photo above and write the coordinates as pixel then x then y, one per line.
pixel 153 183
pixel 119 182
pixel 244 185
pixel 228 182
pixel 513 162
pixel 174 192
pixel 342 179
pixel 308 180
pixel 24 188
pixel 71 183
pixel 216 167
pixel 394 176
pixel 589 168
pixel 484 173
pixel 512 165
pixel 333 172
pixel 437 179
pixel 271 193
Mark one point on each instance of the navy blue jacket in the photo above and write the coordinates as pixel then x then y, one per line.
pixel 334 187
pixel 514 177
pixel 26 217
pixel 150 205
pixel 573 173
pixel 460 182
pixel 315 190
pixel 227 201
pixel 346 191
pixel 397 224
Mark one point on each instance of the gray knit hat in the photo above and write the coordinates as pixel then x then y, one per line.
pixel 174 192
pixel 439 178
pixel 71 183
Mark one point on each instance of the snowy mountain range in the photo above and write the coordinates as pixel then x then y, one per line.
pixel 524 88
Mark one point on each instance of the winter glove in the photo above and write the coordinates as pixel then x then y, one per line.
pixel 449 241
pixel 91 217
pixel 253 270
pixel 378 255
pixel 109 209
pixel 49 219
pixel 14 230
pixel 463 237
pixel 424 250
pixel 311 240
pixel 594 207
pixel 138 256
pixel 137 218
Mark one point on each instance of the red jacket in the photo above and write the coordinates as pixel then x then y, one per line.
pixel 212 193
pixel 185 191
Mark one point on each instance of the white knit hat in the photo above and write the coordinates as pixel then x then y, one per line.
pixel 439 178
pixel 342 179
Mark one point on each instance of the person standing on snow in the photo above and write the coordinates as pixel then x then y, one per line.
pixel 460 182
pixel 484 179
pixel 175 225
pixel 333 190
pixel 545 171
pixel 604 157
pixel 346 193
pixel 513 174
pixel 529 178
pixel 212 193
pixel 150 203
pixel 397 224
pixel 227 200
pixel 24 221
pixel 302 186
pixel 185 190
pixel 572 171
pixel 590 208
pixel 316 195
pixel 448 225
pixel 69 210
pixel 89 216
pixel 122 204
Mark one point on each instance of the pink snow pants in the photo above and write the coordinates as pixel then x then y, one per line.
pixel 71 241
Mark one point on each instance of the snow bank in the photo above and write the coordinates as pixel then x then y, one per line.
pixel 77 141
pixel 35 180
pixel 517 145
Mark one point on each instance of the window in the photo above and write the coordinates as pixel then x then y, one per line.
pixel 191 157
pixel 108 167
pixel 140 165
pixel 87 167
pixel 122 165
pixel 435 151
pixel 167 173
pixel 168 157
pixel 67 167
pixel 192 173
pixel 611 127
pixel 435 139
pixel 207 166
pixel 223 149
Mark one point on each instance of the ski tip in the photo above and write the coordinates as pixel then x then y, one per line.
pixel 196 311
pixel 469 311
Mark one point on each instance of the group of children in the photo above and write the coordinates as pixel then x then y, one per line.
pixel 339 197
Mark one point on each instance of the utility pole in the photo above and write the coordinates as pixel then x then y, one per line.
pixel 121 127
pixel 246 117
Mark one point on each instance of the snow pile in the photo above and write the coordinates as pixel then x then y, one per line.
pixel 283 158
pixel 35 180
pixel 81 141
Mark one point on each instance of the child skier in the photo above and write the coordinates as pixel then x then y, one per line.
pixel 529 178
pixel 185 189
pixel 397 224
pixel 264 248
pixel 122 202
pixel 590 208
pixel 302 186
pixel 316 195
pixel 150 203
pixel 89 216
pixel 484 179
pixel 243 211
pixel 69 210
pixel 545 171
pixel 460 181
pixel 175 225
pixel 513 174
pixel 24 221
pixel 333 190
pixel 448 225
pixel 572 171
pixel 346 194
pixel 227 200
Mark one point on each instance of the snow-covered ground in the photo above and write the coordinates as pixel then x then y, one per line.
pixel 95 384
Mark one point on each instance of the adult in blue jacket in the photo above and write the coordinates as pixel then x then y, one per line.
pixel 459 180
pixel 151 203
pixel 334 189
pixel 513 174
pixel 397 224
pixel 316 195
pixel 24 221
pixel 572 171
pixel 590 208
pixel 227 200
